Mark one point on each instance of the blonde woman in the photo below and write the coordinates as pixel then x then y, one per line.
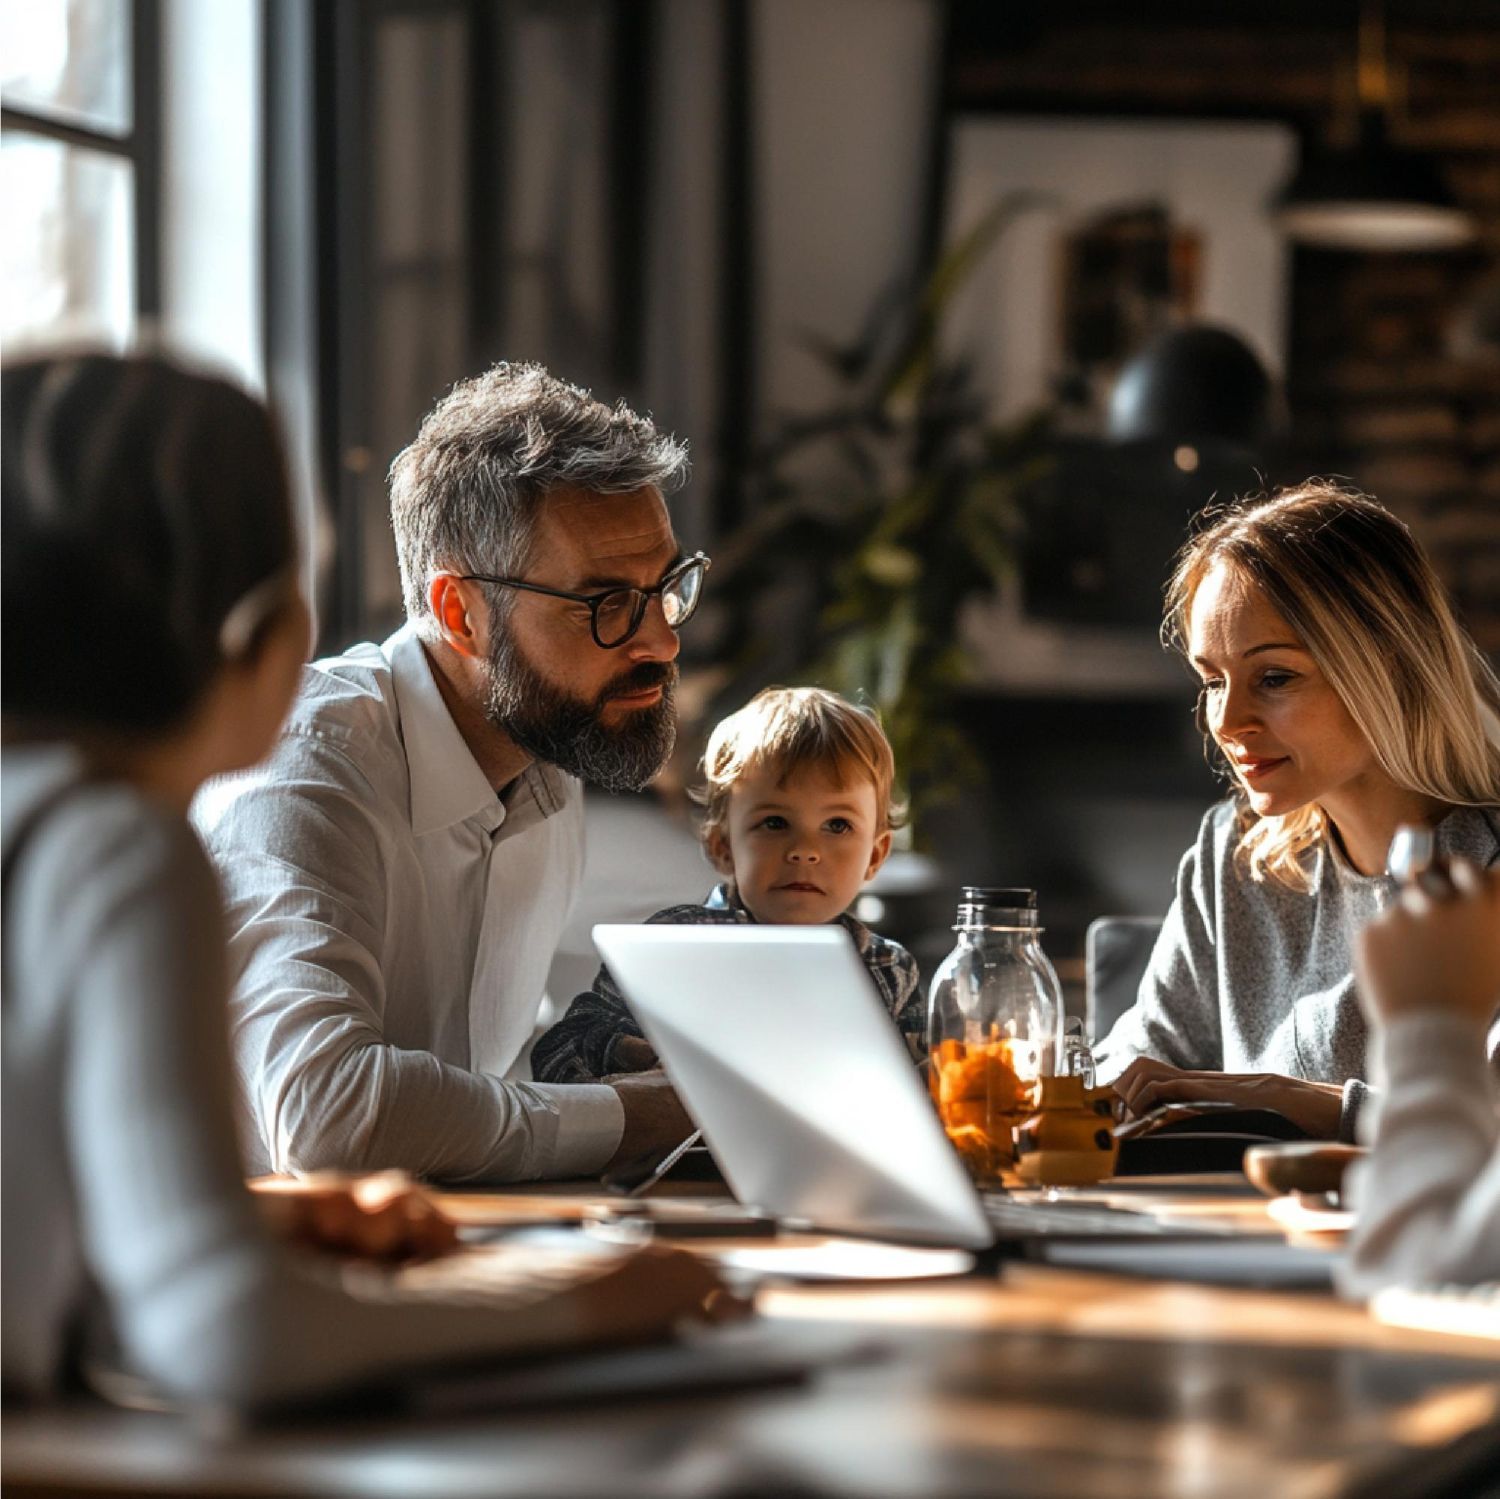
pixel 1345 700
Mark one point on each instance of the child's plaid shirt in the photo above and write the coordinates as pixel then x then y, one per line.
pixel 580 1047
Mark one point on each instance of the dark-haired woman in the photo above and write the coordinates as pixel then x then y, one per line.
pixel 153 636
pixel 1345 700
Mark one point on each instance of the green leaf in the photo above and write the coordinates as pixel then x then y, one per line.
pixel 893 566
pixel 881 515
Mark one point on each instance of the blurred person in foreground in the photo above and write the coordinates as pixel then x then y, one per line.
pixel 1343 699
pixel 153 633
pixel 1428 1197
pixel 399 869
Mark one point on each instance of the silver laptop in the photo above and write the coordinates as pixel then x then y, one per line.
pixel 780 1047
pixel 782 1051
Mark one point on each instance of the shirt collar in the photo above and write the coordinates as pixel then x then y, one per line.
pixel 856 929
pixel 447 785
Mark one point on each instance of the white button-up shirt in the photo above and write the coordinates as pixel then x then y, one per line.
pixel 391 924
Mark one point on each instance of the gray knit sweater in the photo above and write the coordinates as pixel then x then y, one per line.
pixel 1251 976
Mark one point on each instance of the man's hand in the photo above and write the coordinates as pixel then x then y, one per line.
pixel 381 1217
pixel 654 1118
pixel 1314 1107
pixel 1435 951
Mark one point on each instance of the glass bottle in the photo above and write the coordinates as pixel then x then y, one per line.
pixel 994 1027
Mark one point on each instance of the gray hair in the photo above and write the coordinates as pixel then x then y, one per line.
pixel 466 494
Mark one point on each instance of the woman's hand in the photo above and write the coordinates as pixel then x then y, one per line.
pixel 1435 951
pixel 1313 1107
pixel 381 1217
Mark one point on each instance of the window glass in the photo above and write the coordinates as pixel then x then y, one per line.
pixel 68 230
pixel 70 58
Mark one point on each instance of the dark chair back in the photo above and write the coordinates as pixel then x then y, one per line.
pixel 1117 950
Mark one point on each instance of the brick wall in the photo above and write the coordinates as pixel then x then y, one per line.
pixel 1383 382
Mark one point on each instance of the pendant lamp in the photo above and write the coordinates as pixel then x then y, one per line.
pixel 1373 194
pixel 1194 387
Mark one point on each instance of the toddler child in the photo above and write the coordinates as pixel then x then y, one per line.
pixel 798 814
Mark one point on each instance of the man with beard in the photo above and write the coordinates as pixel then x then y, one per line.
pixel 398 871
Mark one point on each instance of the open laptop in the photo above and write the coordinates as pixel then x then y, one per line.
pixel 778 1043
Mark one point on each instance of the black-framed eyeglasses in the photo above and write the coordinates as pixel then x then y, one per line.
pixel 616 614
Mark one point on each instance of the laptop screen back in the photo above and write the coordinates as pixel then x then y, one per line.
pixel 779 1045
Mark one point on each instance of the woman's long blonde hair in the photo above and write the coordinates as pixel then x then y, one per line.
pixel 1359 593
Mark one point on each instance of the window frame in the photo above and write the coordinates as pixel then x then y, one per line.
pixel 140 145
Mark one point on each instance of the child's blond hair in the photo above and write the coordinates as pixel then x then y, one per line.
pixel 792 728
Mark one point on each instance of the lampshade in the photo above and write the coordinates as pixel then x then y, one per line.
pixel 1373 195
pixel 1193 385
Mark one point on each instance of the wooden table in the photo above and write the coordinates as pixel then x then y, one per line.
pixel 1041 1382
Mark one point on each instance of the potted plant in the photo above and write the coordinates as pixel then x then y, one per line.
pixel 874 521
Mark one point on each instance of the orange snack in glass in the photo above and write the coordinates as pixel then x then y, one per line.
pixel 980 1099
